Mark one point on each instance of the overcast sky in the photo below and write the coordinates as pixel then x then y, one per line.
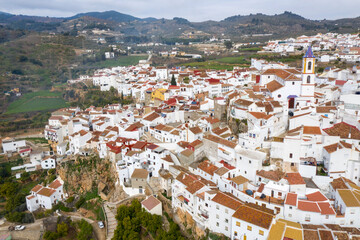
pixel 193 10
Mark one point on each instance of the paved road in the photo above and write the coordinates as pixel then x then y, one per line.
pixel 33 231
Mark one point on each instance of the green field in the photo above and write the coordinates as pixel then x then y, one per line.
pixel 120 61
pixel 37 101
pixel 225 63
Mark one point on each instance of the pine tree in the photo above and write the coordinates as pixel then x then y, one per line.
pixel 173 81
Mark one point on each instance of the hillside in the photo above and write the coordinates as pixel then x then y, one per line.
pixel 235 27
pixel 108 15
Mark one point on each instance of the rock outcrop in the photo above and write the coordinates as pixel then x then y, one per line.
pixel 85 174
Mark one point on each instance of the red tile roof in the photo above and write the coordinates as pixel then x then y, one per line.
pixel 294 178
pixel 308 206
pixel 227 201
pixel 36 188
pixel 150 202
pixel 254 216
pixel 316 197
pixel 55 184
pixel 326 208
pixel 291 199
pixel 343 130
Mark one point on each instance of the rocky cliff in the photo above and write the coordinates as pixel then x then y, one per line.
pixel 84 174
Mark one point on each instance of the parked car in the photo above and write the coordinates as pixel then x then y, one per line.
pixel 101 224
pixel 19 227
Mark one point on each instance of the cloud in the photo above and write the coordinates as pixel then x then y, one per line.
pixel 194 10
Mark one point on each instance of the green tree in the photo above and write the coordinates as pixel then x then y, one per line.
pixel 173 81
pixel 85 230
pixel 62 229
pixel 50 235
pixel 9 189
pixel 228 45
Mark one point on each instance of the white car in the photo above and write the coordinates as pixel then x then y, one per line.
pixel 101 224
pixel 19 227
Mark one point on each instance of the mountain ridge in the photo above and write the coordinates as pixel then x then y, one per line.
pixel 279 25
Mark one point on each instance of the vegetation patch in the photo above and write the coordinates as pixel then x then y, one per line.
pixel 119 61
pixel 37 101
pixel 135 223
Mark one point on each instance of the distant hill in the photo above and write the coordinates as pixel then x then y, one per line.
pixel 235 27
pixel 108 15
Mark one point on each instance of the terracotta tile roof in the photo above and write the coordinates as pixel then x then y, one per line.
pixel 308 206
pixel 212 120
pixel 349 198
pixel 341 236
pixel 326 208
pixel 227 200
pixel 82 132
pixel 55 184
pixel 293 233
pixel 243 102
pixel 273 86
pixel 325 235
pixel 311 235
pixel 291 199
pixel 260 115
pixel 332 148
pixel 272 175
pixel 186 179
pixel 196 143
pixel 343 130
pixel 30 197
pixel 339 183
pixel 196 186
pixel 47 192
pixel 151 117
pixel 221 171
pixel 168 158
pixel 316 197
pixel 183 144
pixel 150 202
pixel 285 74
pixel 261 188
pixel 239 180
pixel 254 216
pixel 195 130
pixel 134 126
pixel 325 109
pixel 187 152
pixel 219 131
pixel 140 173
pixel 36 188
pixel 220 140
pixel 312 130
pixel 294 178
pixel 277 231
pixel 208 167
pixel 139 145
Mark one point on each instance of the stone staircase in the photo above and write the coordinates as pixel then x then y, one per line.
pixel 111 222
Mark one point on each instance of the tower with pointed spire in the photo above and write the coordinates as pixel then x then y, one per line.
pixel 308 78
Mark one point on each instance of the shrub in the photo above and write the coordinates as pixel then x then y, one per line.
pixel 28 218
pixel 50 235
pixel 70 199
pixel 85 230
pixel 79 203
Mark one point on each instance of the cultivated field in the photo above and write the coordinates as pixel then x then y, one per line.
pixel 37 101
